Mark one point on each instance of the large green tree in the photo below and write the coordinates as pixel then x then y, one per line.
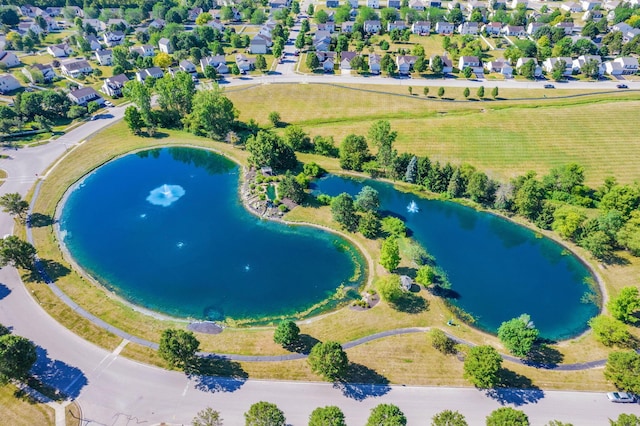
pixel 625 420
pixel 17 252
pixel 354 152
pixel 178 347
pixel 212 114
pixel 290 188
pixel 507 416
pixel 609 331
pixel 268 149
pixel 367 199
pixel 175 93
pixel 327 416
pixel 264 414
pixel 518 335
pixel 207 417
pixel 13 204
pixel 344 212
pixel 482 366
pixel 626 305
pixel 390 254
pixel 448 418
pixel 386 415
pixel 140 95
pixel 133 118
pixel 17 356
pixel 382 137
pixel 329 360
pixel 286 333
pixel 623 370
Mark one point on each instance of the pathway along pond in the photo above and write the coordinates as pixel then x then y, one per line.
pixel 166 230
pixel 498 269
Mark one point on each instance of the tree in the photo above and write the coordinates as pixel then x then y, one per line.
pixel 327 416
pixel 369 225
pixel 92 107
pixel 162 60
pixel 343 211
pixel 286 333
pixel 480 92
pixel 203 18
pixel 623 370
pixel 390 254
pixel 140 95
pixel 448 418
pixel 329 360
pixel 609 331
pixel 267 149
pixel 518 335
pixel 425 275
pixel 466 92
pixel 528 197
pixel 133 119
pixel 8 16
pixel 312 61
pixel 442 342
pixel 441 92
pixel 557 70
pixel 178 347
pixel 176 93
pixel 425 91
pixel 567 221
pixel 367 199
pixel 353 152
pixel 290 188
pixel 495 92
pixel 212 114
pixel 261 63
pixel 437 65
pixel 507 416
pixel 207 417
pixel 394 226
pixel 17 252
pixel 626 420
pixel 466 72
pixel 274 118
pixel 264 414
pixel 13 204
pixel 386 415
pixel 381 136
pixel 17 356
pixel 626 305
pixel 482 365
pixel 297 138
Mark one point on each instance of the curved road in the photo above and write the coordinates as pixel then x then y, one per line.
pixel 113 390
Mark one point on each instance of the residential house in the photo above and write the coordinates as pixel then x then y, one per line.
pixel 549 63
pixel 374 63
pixel 332 3
pixel 193 14
pixel 154 72
pixel 446 62
pixel 472 62
pixel 96 24
pixel 112 86
pixel 164 44
pixel 327 60
pixel 216 24
pixel 52 24
pixel 443 27
pixel 26 26
pixel 30 11
pixel 104 57
pixel 9 59
pixel 421 27
pixel 145 50
pixel 322 41
pixel 374 4
pixel 514 31
pixel 78 11
pixel 582 60
pixel 94 43
pixel 416 5
pixel 567 27
pixel 353 3
pixel 158 24
pixel 405 63
pixel 118 23
pixel 329 27
pixel 347 27
pixel 468 27
pixel 538 69
pixel 533 27
pixel 395 4
pixel 372 27
pixel 258 45
pixel 47 71
pixel 593 15
pixel 473 5
pixel 622 66
pixel 588 5
pixel 188 67
pixel 244 63
pixel 345 61
pixel 500 66
pixel 85 95
pixel 113 38
pixel 571 7
pixel 396 25
pixel 628 32
pixel 8 83
pixel 492 28
pixel 61 50
pixel 217 61
pixel 75 67
pixel 53 11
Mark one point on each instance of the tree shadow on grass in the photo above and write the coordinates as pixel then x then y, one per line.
pixel 544 356
pixel 39 220
pixel 361 382
pixel 216 374
pixel 56 379
pixel 48 270
pixel 304 344
pixel 515 389
pixel 411 303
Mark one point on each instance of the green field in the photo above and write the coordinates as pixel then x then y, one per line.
pixel 504 138
pixel 16 409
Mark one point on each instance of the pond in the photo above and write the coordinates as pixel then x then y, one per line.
pixel 166 230
pixel 497 269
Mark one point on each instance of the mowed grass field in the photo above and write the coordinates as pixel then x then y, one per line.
pixel 21 410
pixel 522 131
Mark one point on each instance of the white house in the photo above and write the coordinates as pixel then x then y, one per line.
pixel 112 86
pixel 589 5
pixel 549 63
pixel 492 28
pixel 621 66
pixel 61 50
pixel 113 38
pixel 567 27
pixel 94 43
pixel 472 62
pixel 258 45
pixel 9 59
pixel 145 50
pixel 582 60
pixel 85 95
pixel 8 83
pixel 468 27
pixel 405 63
pixel 96 24
pixel 164 44
pixel 421 27
pixel 75 67
pixel 48 74
pixel 327 60
pixel 446 62
pixel 188 67
pixel 534 26
pixel 104 57
pixel 347 27
pixel 444 27
pixel 499 66
pixel 571 7
pixel 372 27
pixel 218 62
pixel 374 63
pixel 245 63
pixel 416 5
pixel 538 69
pixel 154 72
pixel 514 30
pixel 396 25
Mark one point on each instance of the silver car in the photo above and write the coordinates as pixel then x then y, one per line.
pixel 621 397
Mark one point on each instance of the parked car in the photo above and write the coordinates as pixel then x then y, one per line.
pixel 549 86
pixel 622 86
pixel 621 397
pixel 108 103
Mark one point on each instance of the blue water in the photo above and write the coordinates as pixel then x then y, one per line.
pixel 499 269
pixel 190 248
